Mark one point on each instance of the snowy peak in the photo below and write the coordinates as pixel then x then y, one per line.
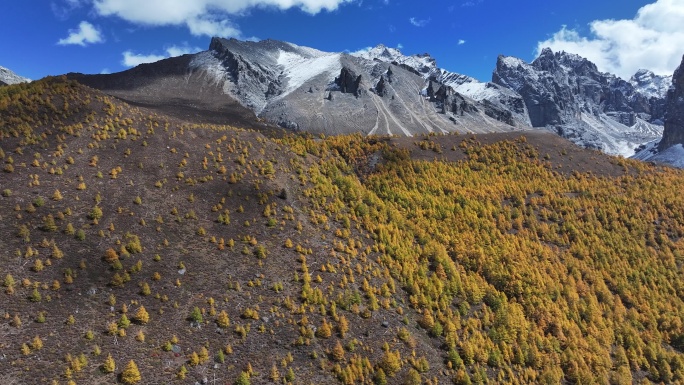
pixel 374 91
pixel 421 64
pixel 380 52
pixel 567 94
pixel 424 64
pixel 651 85
pixel 9 77
pixel 256 73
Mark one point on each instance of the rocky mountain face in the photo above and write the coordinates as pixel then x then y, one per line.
pixel 651 85
pixel 674 115
pixel 670 149
pixel 499 102
pixel 561 92
pixel 567 94
pixel 8 77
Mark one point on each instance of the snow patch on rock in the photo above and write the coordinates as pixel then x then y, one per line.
pixel 673 156
pixel 299 69
pixel 9 77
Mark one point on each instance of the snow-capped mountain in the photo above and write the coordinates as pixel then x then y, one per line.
pixel 567 94
pixel 306 89
pixel 382 91
pixel 561 92
pixel 9 77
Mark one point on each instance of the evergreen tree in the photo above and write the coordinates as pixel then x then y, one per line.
pixel 131 375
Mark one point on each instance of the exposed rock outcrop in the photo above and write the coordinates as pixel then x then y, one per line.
pixel 674 115
pixel 381 88
pixel 348 82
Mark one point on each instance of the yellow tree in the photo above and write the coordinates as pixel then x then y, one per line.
pixel 222 320
pixel 131 374
pixel 141 316
pixel 109 365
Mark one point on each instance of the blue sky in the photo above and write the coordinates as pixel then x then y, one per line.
pixel 51 37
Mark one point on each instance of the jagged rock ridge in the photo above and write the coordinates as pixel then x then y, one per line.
pixel 306 89
pixel 651 85
pixel 499 102
pixel 300 88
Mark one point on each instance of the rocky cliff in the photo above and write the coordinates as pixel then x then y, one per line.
pixel 674 114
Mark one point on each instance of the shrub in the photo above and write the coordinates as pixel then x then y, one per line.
pixel 124 322
pixel 243 379
pixel 325 330
pixel 37 343
pixel 338 352
pixel 35 296
pixel 196 315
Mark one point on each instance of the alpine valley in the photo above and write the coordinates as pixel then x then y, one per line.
pixel 266 213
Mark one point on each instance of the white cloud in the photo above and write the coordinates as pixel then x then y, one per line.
pixel 176 50
pixel 400 46
pixel 212 27
pixel 84 35
pixel 461 41
pixel 63 9
pixel 131 59
pixel 472 3
pixel 653 39
pixel 419 23
pixel 202 17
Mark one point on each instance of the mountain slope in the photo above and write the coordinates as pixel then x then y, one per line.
pixel 204 252
pixel 170 87
pixel 612 115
